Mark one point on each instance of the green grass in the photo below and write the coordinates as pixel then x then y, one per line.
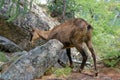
pixel 63 71
pixel 2 57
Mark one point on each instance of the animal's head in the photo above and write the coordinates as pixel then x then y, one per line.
pixel 34 35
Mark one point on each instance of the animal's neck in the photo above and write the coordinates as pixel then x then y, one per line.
pixel 44 34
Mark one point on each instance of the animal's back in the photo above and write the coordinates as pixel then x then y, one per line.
pixel 63 31
pixel 74 28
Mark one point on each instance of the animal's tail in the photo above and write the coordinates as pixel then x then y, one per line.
pixel 89 27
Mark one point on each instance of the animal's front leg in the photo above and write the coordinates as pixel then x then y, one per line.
pixel 68 51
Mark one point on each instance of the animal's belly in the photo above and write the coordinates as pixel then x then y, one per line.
pixel 68 45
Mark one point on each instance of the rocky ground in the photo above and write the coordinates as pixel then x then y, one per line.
pixel 105 73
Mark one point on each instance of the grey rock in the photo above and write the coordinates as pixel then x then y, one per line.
pixel 34 63
pixel 8 45
pixel 36 17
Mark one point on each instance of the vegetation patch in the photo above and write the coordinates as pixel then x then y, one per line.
pixel 3 58
pixel 63 71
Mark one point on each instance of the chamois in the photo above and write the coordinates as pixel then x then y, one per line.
pixel 71 33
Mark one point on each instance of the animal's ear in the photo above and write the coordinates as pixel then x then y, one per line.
pixel 89 27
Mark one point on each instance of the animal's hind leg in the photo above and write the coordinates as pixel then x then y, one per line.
pixel 68 51
pixel 89 44
pixel 84 56
pixel 80 49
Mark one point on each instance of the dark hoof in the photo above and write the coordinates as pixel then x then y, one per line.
pixel 96 74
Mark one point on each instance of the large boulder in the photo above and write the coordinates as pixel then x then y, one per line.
pixel 34 63
pixel 18 30
pixel 37 16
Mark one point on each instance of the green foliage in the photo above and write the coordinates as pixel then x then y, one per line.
pixel 59 5
pixel 104 17
pixel 59 71
pixel 2 57
pixel 62 71
pixel 1 3
pixel 106 33
pixel 14 9
pixel 111 59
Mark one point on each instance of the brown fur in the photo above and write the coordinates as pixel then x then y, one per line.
pixel 71 33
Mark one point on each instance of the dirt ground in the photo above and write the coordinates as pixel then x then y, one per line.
pixel 105 73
